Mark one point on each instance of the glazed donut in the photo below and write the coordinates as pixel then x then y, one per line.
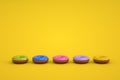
pixel 60 59
pixel 101 59
pixel 40 59
pixel 19 59
pixel 81 59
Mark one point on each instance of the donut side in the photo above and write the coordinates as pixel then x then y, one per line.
pixel 20 61
pixel 40 61
pixel 101 61
pixel 81 61
pixel 60 61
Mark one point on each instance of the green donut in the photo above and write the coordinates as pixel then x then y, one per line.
pixel 19 57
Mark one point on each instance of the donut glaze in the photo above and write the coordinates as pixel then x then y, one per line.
pixel 19 59
pixel 40 59
pixel 81 59
pixel 101 59
pixel 60 59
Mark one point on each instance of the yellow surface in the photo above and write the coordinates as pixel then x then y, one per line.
pixel 51 27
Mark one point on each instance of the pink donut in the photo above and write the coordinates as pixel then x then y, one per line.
pixel 60 59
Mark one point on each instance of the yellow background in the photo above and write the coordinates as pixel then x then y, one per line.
pixel 51 27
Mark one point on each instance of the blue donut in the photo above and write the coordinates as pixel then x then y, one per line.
pixel 40 58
